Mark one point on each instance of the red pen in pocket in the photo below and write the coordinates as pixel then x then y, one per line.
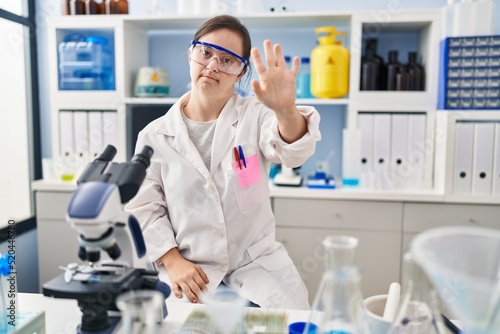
pixel 237 156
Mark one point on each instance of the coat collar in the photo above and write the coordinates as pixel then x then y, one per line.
pixel 225 130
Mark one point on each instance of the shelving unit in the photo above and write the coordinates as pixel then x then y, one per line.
pixel 162 41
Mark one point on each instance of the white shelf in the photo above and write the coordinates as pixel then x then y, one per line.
pixel 473 199
pixel 172 100
pixel 357 194
pixel 44 185
pixel 265 20
pixel 151 100
pixel 340 102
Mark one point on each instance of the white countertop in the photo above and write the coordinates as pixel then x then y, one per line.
pixel 357 194
pixel 62 316
pixel 431 196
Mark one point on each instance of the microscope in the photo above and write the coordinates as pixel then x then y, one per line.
pixel 96 213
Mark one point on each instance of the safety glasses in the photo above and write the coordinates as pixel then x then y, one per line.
pixel 227 61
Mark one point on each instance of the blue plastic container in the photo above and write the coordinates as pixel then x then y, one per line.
pixel 86 65
pixel 304 79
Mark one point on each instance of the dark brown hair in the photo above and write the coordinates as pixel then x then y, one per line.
pixel 230 23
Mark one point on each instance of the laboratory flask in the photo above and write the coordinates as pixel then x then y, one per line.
pixel 463 263
pixel 419 307
pixel 329 65
pixel 337 308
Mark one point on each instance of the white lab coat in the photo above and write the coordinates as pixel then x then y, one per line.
pixel 226 229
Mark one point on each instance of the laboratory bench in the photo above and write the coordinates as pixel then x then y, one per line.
pixel 63 315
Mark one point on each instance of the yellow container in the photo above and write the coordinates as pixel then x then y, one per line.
pixel 329 65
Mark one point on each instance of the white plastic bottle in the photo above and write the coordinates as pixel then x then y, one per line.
pixel 447 19
pixel 485 14
pixel 464 18
pixel 351 147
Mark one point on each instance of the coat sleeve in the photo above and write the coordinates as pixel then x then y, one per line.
pixel 150 208
pixel 294 154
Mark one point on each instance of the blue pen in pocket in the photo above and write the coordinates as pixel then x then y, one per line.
pixel 242 156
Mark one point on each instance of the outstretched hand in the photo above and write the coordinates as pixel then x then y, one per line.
pixel 276 87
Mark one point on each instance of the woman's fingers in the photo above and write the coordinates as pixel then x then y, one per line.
pixel 177 290
pixel 295 66
pixel 280 58
pixel 187 290
pixel 257 60
pixel 203 275
pixel 274 57
pixel 270 55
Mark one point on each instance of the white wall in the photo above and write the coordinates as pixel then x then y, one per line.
pixel 46 8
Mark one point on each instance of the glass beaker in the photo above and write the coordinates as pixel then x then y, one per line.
pixel 226 309
pixel 419 307
pixel 337 308
pixel 141 311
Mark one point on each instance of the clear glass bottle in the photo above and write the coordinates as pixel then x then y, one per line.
pixel 90 7
pixel 65 7
pixel 419 307
pixel 337 308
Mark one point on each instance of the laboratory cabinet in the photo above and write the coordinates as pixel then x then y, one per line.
pixel 384 228
pixel 421 216
pixel 301 225
pixel 57 240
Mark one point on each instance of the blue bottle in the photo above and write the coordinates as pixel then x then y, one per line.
pixel 304 79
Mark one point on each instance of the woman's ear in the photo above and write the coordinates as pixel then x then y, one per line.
pixel 242 73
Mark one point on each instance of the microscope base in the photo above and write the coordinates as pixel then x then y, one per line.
pixel 113 325
pixel 281 180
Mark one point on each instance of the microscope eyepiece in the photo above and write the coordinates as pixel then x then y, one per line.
pixel 144 157
pixel 108 154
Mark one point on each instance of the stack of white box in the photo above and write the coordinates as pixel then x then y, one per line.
pixel 86 133
pixel 393 150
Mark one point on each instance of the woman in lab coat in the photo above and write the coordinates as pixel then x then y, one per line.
pixel 204 206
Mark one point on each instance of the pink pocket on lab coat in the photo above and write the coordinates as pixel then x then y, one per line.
pixel 248 183
pixel 250 174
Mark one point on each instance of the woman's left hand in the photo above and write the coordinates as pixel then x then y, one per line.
pixel 276 87
pixel 276 90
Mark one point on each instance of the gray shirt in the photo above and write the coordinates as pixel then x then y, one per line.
pixel 202 135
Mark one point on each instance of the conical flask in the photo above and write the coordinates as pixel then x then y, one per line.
pixel 419 307
pixel 337 308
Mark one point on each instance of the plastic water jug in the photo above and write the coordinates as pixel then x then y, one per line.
pixel 86 64
pixel 329 65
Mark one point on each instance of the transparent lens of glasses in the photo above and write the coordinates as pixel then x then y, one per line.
pixel 226 63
